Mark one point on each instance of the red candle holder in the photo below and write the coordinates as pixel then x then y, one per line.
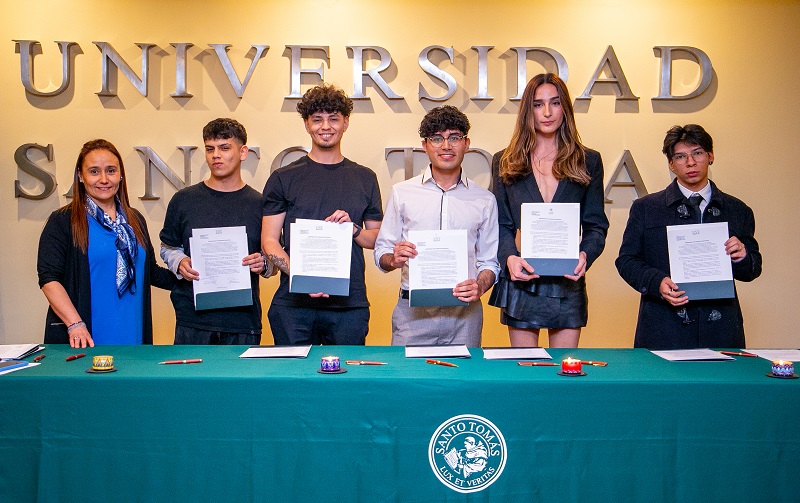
pixel 571 367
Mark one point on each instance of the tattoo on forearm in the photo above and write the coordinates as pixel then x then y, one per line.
pixel 280 263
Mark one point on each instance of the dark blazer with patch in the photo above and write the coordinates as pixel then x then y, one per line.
pixel 643 263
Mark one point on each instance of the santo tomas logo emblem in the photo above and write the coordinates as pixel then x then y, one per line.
pixel 467 453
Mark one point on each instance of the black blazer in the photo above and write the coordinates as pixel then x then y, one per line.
pixel 643 263
pixel 594 223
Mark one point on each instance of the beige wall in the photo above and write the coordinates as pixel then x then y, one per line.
pixel 750 109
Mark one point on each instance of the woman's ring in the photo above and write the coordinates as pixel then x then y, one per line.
pixel 75 338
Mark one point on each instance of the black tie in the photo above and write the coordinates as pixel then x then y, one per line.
pixel 694 201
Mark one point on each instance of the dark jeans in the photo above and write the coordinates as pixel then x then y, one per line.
pixel 196 336
pixel 301 325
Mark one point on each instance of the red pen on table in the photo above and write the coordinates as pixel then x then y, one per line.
pixel 439 362
pixel 177 362
pixel 595 364
pixel 537 364
pixel 75 357
pixel 738 353
pixel 39 358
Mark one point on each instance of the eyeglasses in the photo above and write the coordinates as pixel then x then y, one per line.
pixel 454 140
pixel 681 158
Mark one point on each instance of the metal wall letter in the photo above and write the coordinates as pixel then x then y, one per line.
pixel 297 54
pixel 112 60
pixel 27 166
pixel 222 54
pixel 278 161
pixel 617 77
pixel 436 72
pixel 522 66
pixel 706 71
pixel 359 73
pixel 629 165
pixel 180 70
pixel 26 55
pixel 487 156
pixel 483 72
pixel 152 160
pixel 408 158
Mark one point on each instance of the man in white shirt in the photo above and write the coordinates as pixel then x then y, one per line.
pixel 441 198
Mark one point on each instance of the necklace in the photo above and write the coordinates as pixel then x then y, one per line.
pixel 537 161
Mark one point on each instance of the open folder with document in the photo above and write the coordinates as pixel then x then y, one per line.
pixel 321 254
pixel 440 264
pixel 217 255
pixel 698 263
pixel 550 237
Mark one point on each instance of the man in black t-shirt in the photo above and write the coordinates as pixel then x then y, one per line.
pixel 223 200
pixel 323 185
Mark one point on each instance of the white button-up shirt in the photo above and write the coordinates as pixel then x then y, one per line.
pixel 421 204
pixel 705 192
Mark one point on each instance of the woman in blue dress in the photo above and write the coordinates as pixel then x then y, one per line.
pixel 96 262
pixel 546 162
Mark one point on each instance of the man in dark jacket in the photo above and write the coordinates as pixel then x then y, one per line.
pixel 669 319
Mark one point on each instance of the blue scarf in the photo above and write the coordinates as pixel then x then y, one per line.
pixel 127 246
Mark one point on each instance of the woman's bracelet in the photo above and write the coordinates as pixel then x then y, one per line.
pixel 75 325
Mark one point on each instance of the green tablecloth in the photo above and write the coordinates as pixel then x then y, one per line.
pixel 232 429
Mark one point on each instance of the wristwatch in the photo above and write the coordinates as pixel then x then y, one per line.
pixel 269 268
pixel 358 230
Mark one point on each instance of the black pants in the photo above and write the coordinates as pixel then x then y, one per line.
pixel 301 325
pixel 196 336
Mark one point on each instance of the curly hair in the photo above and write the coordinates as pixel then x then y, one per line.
pixel 325 98
pixel 443 118
pixel 223 128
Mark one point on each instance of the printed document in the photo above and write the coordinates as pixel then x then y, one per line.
pixel 550 237
pixel 698 262
pixel 321 254
pixel 440 264
pixel 217 254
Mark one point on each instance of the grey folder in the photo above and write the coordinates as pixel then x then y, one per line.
pixel 702 290
pixel 433 297
pixel 229 298
pixel 553 266
pixel 316 284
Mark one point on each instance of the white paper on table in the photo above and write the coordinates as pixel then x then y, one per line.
pixel 18 351
pixel 320 249
pixel 3 372
pixel 217 254
pixel 276 352
pixel 791 355
pixel 455 351
pixel 697 253
pixel 441 260
pixel 516 354
pixel 680 355
pixel 550 230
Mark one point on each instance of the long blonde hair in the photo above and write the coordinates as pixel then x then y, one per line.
pixel 570 161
